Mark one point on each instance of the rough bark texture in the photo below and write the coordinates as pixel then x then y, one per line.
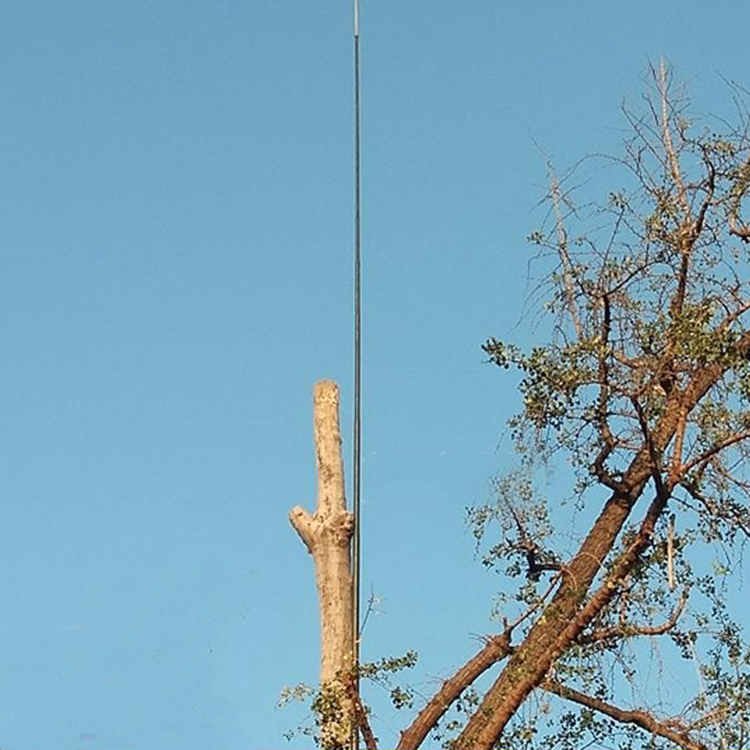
pixel 548 638
pixel 494 650
pixel 327 534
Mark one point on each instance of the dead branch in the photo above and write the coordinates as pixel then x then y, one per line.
pixel 662 81
pixel 562 250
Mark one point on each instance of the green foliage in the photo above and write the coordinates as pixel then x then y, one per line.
pixel 382 671
pixel 327 704
pixel 389 665
pixel 298 693
pixel 552 377
pixel 638 397
pixel 651 295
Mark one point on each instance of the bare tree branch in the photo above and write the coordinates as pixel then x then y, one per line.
pixel 631 631
pixel 662 81
pixel 562 249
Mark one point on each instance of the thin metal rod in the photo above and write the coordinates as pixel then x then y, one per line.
pixel 357 442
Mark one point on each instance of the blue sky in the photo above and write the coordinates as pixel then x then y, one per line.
pixel 175 273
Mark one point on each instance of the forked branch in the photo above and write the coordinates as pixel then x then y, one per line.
pixel 496 648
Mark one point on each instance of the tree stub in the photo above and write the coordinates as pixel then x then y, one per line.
pixel 327 534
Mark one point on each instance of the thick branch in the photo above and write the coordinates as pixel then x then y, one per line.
pixel 667 729
pixel 495 649
pixel 304 525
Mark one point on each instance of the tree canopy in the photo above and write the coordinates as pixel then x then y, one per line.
pixel 639 398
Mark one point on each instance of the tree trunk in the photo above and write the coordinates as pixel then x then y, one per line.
pixel 327 535
pixel 549 636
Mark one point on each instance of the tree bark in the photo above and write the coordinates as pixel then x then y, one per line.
pixel 533 658
pixel 327 534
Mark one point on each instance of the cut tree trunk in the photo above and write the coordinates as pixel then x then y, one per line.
pixel 327 534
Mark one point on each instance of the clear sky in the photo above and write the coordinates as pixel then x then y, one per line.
pixel 175 273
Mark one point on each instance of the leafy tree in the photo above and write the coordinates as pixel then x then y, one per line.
pixel 641 397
